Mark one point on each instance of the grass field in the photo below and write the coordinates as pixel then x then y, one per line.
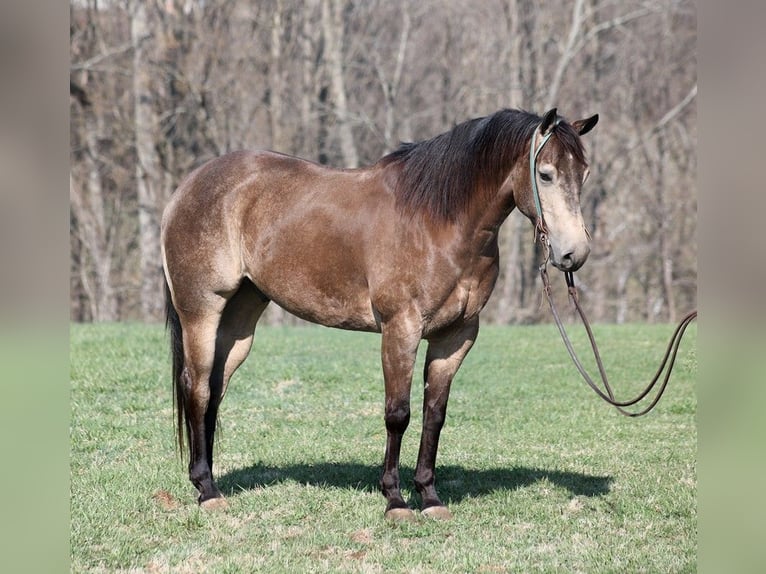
pixel 541 476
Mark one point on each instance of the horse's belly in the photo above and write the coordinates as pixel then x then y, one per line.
pixel 343 303
pixel 314 270
pixel 335 312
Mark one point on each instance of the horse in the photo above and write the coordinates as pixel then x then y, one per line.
pixel 406 247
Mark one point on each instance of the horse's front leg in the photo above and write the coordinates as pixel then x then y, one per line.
pixel 399 348
pixel 443 359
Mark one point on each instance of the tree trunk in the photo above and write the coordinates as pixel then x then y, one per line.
pixel 88 202
pixel 274 314
pixel 276 84
pixel 148 171
pixel 332 28
pixel 513 233
pixel 308 128
pixel 88 208
pixel 567 53
pixel 510 290
pixel 513 14
pixel 665 231
pixel 390 85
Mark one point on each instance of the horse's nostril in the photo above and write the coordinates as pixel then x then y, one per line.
pixel 568 258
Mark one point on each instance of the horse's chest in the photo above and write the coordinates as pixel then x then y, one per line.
pixel 468 296
pixel 480 287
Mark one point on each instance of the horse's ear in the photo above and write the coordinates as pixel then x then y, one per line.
pixel 582 127
pixel 548 119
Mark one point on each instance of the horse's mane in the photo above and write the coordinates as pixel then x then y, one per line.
pixel 441 175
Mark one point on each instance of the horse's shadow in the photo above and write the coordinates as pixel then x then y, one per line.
pixel 453 482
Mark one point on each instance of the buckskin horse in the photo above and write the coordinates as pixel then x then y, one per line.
pixel 407 247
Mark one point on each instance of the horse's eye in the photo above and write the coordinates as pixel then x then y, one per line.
pixel 546 177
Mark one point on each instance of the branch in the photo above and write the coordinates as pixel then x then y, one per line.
pixel 665 119
pixel 402 51
pixel 668 117
pixel 87 225
pixel 92 62
pixel 569 52
pixel 614 23
pixel 673 112
pixel 574 46
pixel 391 88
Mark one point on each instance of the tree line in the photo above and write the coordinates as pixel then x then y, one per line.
pixel 158 87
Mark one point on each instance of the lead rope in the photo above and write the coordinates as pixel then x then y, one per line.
pixel 668 359
pixel 666 365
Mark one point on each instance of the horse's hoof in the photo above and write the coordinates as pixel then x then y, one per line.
pixel 214 504
pixel 437 513
pixel 401 515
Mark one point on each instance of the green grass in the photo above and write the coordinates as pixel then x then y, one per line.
pixel 541 476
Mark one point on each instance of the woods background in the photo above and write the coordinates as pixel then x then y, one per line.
pixel 157 88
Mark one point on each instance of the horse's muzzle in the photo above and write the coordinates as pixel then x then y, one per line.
pixel 571 259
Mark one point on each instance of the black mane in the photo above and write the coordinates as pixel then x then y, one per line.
pixel 440 176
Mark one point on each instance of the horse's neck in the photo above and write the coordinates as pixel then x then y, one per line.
pixel 480 231
pixel 487 216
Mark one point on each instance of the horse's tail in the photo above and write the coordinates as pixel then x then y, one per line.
pixel 173 324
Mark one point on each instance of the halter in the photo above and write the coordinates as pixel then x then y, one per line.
pixel 540 228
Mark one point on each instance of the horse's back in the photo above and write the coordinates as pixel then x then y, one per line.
pixel 241 181
pixel 220 182
pixel 296 229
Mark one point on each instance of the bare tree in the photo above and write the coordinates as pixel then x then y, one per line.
pixel 159 87
pixel 333 31
pixel 391 80
pixel 149 175
pixel 86 195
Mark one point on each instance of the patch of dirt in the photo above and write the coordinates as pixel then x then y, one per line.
pixel 575 505
pixel 363 536
pixel 166 500
pixel 333 552
pixel 293 532
pixel 282 386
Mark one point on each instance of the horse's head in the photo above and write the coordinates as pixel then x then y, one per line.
pixel 557 169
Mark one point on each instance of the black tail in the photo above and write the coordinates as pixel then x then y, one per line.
pixel 173 324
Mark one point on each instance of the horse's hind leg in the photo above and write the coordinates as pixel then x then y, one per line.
pixel 212 356
pixel 233 341
pixel 237 328
pixel 197 385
